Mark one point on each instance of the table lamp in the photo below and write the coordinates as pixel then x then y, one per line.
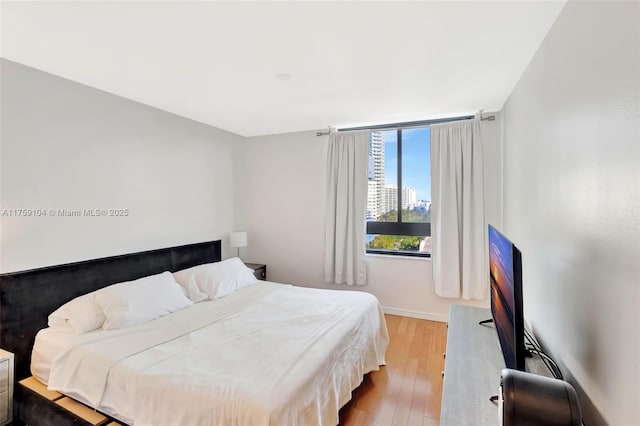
pixel 238 239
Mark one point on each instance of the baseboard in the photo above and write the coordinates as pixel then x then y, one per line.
pixel 416 314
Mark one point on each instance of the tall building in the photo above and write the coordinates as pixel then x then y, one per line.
pixel 391 198
pixel 372 200
pixel 408 198
pixel 375 195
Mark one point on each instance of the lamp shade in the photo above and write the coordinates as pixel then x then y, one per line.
pixel 238 239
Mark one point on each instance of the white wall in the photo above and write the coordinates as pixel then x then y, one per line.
pixel 572 200
pixel 282 192
pixel 68 146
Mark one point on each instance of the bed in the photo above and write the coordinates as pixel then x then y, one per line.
pixel 268 354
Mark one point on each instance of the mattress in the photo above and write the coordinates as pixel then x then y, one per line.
pixel 269 354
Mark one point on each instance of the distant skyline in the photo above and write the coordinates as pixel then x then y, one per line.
pixel 416 158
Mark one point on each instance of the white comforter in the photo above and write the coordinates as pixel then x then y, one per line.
pixel 270 354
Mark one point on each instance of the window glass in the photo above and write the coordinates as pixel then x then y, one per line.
pixel 383 172
pixel 416 179
pixel 387 231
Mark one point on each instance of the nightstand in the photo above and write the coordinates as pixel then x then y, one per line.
pixel 6 387
pixel 259 270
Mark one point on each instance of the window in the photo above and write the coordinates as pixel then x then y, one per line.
pixel 399 192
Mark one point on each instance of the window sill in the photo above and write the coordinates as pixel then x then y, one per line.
pixel 399 256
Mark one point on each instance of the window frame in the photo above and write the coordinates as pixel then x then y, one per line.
pixel 417 229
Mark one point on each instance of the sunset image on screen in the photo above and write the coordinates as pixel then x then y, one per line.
pixel 502 296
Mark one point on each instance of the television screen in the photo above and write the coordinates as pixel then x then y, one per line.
pixel 505 266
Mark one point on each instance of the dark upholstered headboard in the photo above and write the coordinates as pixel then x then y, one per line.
pixel 28 297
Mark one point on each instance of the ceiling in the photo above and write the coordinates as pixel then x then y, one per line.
pixel 256 68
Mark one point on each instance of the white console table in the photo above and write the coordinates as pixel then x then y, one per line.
pixel 472 369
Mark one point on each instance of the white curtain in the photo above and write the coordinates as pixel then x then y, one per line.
pixel 347 164
pixel 458 228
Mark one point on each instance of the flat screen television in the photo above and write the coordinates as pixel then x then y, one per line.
pixel 505 267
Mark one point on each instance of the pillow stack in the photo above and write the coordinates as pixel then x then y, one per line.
pixel 131 303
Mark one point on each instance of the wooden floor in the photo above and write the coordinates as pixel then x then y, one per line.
pixel 408 390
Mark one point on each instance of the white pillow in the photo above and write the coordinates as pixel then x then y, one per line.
pixel 188 280
pixel 81 315
pixel 215 280
pixel 135 302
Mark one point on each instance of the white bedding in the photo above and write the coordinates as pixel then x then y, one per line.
pixel 270 354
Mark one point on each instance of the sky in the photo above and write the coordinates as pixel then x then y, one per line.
pixel 416 158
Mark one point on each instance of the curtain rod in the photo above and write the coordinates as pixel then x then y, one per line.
pixel 410 124
pixel 422 123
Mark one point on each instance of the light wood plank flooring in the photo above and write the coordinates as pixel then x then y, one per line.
pixel 408 390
